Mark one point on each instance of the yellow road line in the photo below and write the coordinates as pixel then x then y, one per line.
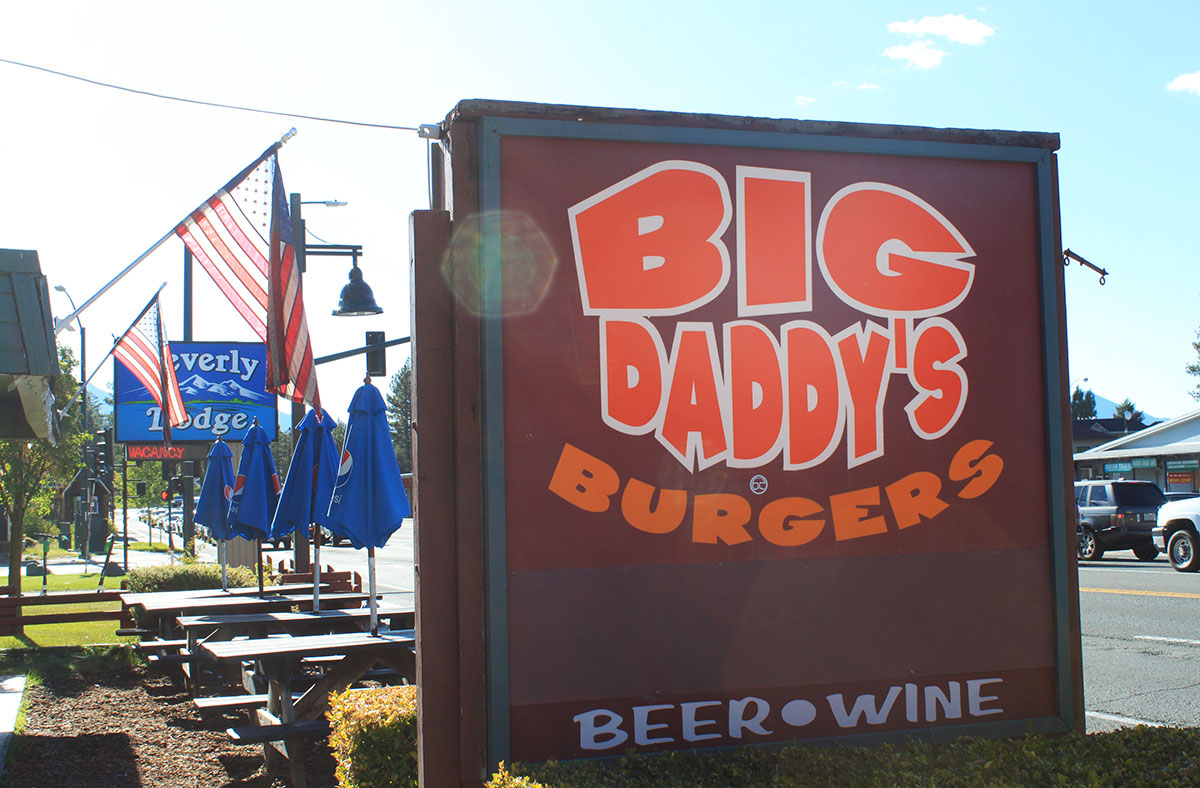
pixel 1179 594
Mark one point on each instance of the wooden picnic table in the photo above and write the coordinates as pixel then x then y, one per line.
pixel 217 627
pixel 133 598
pixel 162 611
pixel 276 658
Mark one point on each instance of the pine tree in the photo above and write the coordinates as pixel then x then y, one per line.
pixel 1083 404
pixel 399 405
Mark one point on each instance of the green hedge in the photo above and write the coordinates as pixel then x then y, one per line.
pixel 186 577
pixel 373 734
pixel 1129 758
pixel 374 738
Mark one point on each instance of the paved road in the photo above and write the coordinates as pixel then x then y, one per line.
pixel 1141 642
pixel 393 562
pixel 1140 623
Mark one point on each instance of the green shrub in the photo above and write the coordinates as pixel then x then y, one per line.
pixel 506 779
pixel 373 734
pixel 1128 758
pixel 186 577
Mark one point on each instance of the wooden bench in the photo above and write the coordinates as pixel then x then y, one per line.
pixel 181 658
pixel 160 644
pixel 261 734
pixel 334 581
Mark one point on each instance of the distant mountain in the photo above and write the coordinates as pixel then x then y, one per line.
pixel 101 399
pixel 1107 409
pixel 197 385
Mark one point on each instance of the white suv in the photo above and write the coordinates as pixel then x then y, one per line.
pixel 1177 533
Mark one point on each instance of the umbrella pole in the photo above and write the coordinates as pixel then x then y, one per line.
pixel 371 590
pixel 224 559
pixel 260 568
pixel 316 533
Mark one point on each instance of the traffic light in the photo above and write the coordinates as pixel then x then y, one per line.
pixel 165 495
pixel 376 359
pixel 141 489
pixel 103 452
pixel 168 470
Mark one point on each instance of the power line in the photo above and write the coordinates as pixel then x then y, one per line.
pixel 206 103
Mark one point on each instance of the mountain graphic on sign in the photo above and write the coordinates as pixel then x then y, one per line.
pixel 196 386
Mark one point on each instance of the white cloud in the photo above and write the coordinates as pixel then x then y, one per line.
pixel 955 27
pixel 804 101
pixel 868 86
pixel 1188 83
pixel 919 54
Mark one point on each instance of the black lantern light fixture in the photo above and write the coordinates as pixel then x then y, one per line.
pixel 357 297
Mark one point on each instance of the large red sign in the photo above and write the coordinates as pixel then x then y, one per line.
pixel 781 437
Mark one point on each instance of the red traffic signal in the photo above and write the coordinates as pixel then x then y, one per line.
pixel 165 495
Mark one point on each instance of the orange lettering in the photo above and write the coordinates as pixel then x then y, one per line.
pixel 693 426
pixel 867 368
pixel 583 480
pixel 631 362
pixel 637 505
pixel 779 522
pixel 755 393
pixel 774 231
pixel 915 496
pixel 651 244
pixel 937 375
pixel 815 416
pixel 887 252
pixel 850 514
pixel 720 517
pixel 974 463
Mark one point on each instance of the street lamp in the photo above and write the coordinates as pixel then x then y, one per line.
pixel 82 353
pixel 356 299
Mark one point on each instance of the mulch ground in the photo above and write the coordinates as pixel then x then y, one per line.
pixel 133 728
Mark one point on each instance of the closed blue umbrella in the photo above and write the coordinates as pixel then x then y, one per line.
pixel 255 491
pixel 212 508
pixel 369 503
pixel 309 486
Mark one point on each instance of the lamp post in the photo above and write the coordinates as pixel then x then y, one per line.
pixel 356 299
pixel 82 354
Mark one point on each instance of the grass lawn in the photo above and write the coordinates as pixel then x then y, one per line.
pixel 84 633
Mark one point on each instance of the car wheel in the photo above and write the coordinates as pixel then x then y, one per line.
pixel 1182 551
pixel 1090 548
pixel 1146 552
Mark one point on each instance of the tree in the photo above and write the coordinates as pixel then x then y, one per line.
pixel 1083 404
pixel 1128 411
pixel 1194 367
pixel 29 467
pixel 399 406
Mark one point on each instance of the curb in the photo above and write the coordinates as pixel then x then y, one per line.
pixel 11 690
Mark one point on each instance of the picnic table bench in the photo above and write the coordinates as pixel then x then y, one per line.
pixel 286 720
pixel 212 628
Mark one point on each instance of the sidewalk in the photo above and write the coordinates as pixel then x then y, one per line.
pixel 11 689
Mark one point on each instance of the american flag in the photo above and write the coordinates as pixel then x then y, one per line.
pixel 242 236
pixel 144 350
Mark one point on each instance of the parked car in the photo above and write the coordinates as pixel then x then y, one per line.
pixel 1180 496
pixel 1177 533
pixel 1117 514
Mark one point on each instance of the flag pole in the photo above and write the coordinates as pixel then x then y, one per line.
pixel 166 393
pixel 59 325
pixel 116 342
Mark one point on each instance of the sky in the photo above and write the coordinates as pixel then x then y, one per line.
pixel 91 177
